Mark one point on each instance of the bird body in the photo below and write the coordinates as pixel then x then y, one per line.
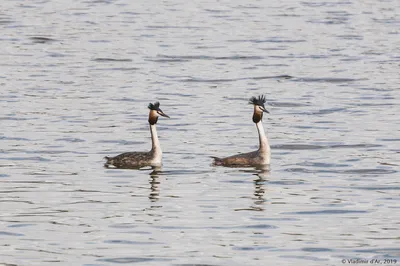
pixel 133 160
pixel 141 159
pixel 262 156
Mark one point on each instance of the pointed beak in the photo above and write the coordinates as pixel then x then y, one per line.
pixel 263 109
pixel 162 113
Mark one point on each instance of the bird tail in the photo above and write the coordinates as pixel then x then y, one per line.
pixel 109 162
pixel 217 160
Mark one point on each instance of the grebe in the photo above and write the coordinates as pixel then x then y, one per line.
pixel 141 159
pixel 263 154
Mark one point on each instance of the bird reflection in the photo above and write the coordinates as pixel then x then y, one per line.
pixel 154 194
pixel 262 173
pixel 259 188
pixel 259 192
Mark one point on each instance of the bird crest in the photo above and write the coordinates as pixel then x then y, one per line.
pixel 154 106
pixel 258 101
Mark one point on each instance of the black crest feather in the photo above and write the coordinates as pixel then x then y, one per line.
pixel 258 101
pixel 154 106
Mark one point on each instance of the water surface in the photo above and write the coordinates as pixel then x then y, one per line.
pixel 76 79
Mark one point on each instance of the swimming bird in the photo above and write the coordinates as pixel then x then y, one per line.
pixel 141 159
pixel 259 157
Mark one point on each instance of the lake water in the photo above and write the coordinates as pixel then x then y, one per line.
pixel 76 78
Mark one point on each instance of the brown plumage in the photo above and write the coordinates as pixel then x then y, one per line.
pixel 130 160
pixel 140 159
pixel 253 158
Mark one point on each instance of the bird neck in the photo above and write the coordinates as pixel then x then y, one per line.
pixel 155 143
pixel 264 145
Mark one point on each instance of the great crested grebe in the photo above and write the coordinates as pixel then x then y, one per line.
pixel 141 159
pixel 255 158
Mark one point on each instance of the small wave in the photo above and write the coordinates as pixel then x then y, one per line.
pixel 351 171
pixel 378 188
pixel 192 79
pixel 312 258
pixel 259 226
pixel 390 139
pixel 70 140
pixel 128 242
pixel 128 260
pixel 6 20
pixel 352 146
pixel 38 39
pixel 37 158
pixel 317 249
pixel 350 37
pixel 52 173
pixel 392 251
pixel 172 60
pixel 287 104
pixel 297 147
pixel 122 142
pixel 116 69
pixel 14 138
pixel 14 118
pixel 327 212
pixel 104 59
pixel 369 171
pixel 324 165
pixel 269 40
pixel 207 57
pixel 329 80
pixel 320 147
pixel 20 225
pixel 328 111
pixel 251 248
pixel 3 233
pixel 175 27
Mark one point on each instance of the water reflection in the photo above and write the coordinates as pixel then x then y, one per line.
pixel 259 187
pixel 262 173
pixel 259 191
pixel 154 194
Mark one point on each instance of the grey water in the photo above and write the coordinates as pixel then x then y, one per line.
pixel 75 81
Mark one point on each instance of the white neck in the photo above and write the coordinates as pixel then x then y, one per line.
pixel 155 143
pixel 264 145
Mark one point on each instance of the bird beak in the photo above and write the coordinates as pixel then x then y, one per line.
pixel 162 113
pixel 263 109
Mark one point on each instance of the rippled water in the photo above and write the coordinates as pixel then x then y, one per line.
pixel 76 78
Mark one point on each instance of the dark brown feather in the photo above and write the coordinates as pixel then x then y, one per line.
pixel 257 117
pixel 153 117
pixel 129 160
